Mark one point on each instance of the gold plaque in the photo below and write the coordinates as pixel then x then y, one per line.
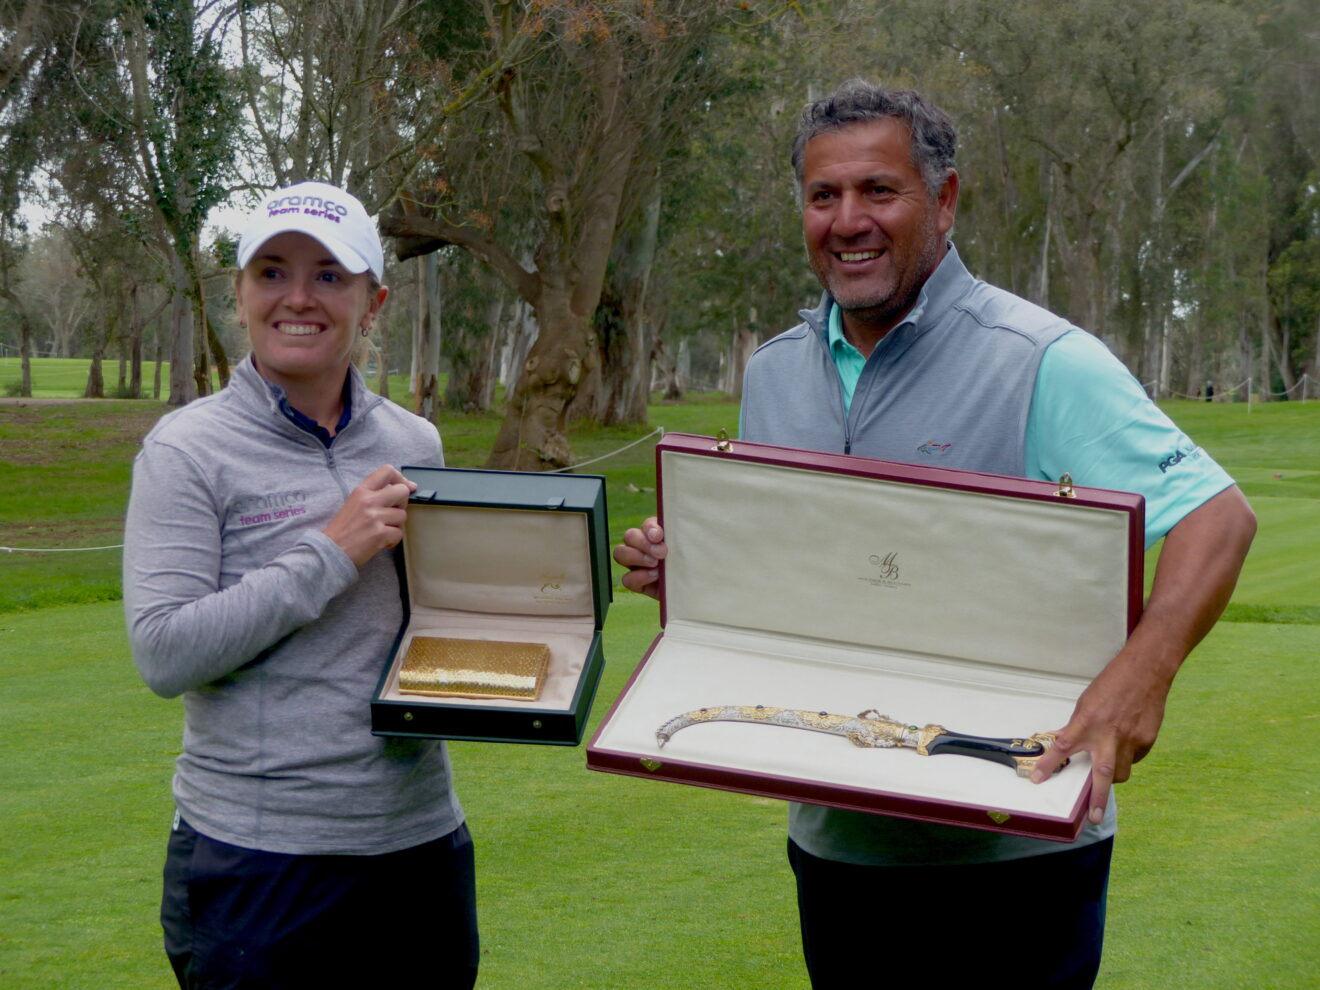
pixel 473 668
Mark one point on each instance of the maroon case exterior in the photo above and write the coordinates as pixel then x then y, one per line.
pixel 858 799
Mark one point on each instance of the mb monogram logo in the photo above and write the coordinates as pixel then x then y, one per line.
pixel 887 565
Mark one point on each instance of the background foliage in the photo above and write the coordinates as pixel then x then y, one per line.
pixel 599 192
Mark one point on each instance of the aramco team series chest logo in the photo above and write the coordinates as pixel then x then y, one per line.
pixel 253 510
pixel 886 566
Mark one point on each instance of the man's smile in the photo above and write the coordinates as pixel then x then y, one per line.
pixel 857 255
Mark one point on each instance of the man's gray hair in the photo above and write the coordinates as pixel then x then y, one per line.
pixel 934 139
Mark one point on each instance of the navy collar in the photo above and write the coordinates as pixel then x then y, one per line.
pixel 298 419
pixel 309 425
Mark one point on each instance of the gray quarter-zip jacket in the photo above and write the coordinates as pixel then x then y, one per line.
pixel 236 600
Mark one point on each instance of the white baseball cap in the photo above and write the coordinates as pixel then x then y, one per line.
pixel 327 213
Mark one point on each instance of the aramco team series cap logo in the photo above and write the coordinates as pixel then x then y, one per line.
pixel 310 206
pixel 333 216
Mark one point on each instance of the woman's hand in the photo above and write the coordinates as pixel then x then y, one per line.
pixel 371 518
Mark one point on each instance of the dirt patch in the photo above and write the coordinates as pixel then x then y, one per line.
pixel 57 533
pixel 42 400
pixel 37 432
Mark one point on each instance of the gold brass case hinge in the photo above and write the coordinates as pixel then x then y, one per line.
pixel 722 442
pixel 1066 487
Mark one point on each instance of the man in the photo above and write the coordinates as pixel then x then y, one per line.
pixel 910 358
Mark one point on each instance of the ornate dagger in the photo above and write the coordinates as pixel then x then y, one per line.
pixel 871 729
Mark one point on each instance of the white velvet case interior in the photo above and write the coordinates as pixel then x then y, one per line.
pixel 520 576
pixel 803 589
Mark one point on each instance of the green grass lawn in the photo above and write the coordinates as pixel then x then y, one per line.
pixel 66 378
pixel 600 881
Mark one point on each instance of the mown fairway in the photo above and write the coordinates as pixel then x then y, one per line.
pixel 592 880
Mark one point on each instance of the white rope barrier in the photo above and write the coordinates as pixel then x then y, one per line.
pixel 1299 384
pixel 116 546
pixel 7 349
pixel 119 546
pixel 1303 384
pixel 574 467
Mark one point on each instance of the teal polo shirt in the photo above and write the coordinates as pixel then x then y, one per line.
pixel 1089 417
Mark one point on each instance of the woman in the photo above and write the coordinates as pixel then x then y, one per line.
pixel 260 583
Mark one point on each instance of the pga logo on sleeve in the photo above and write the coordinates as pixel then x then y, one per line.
pixel 1178 456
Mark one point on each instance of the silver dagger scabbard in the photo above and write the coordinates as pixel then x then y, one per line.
pixel 870 729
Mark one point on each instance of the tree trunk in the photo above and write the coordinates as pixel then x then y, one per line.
pixel 135 329
pixel 683 366
pixel 1281 350
pixel 426 383
pixel 625 350
pixel 160 357
pixel 95 388
pixel 532 436
pixel 741 345
pixel 669 382
pixel 1195 378
pixel 202 363
pixel 523 331
pixel 183 388
pixel 217 349
pixel 25 353
pixel 471 385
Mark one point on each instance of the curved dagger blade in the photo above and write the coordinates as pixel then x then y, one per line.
pixel 870 729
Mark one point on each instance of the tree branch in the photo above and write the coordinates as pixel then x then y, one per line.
pixel 416 235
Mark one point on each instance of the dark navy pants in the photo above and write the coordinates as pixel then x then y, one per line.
pixel 1036 922
pixel 243 918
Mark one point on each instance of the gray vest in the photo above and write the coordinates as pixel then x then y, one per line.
pixel 950 387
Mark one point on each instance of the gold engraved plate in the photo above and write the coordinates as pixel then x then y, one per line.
pixel 473 668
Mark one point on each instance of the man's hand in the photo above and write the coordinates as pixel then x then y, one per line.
pixel 371 518
pixel 1118 716
pixel 641 551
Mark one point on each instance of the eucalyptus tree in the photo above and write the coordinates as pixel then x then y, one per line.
pixel 584 110
pixel 118 260
pixel 1285 142
pixel 355 93
pixel 732 236
pixel 60 297
pixel 150 92
pixel 37 40
pixel 359 94
pixel 1111 109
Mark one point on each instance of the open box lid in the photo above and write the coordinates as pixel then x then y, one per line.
pixel 961 565
pixel 828 582
pixel 508 542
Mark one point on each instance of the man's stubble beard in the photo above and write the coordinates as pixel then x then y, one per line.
pixel 894 301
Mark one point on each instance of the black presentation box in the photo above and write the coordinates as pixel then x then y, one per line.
pixel 510 556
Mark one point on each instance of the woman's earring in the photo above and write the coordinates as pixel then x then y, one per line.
pixel 366 331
